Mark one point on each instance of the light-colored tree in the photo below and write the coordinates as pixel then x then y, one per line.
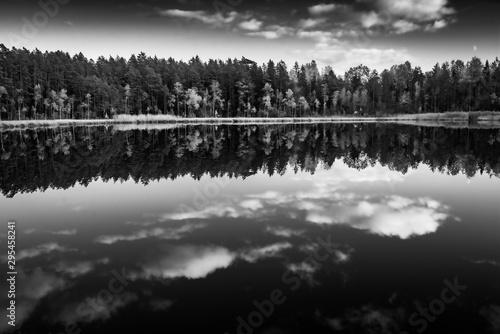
pixel 37 95
pixel 418 91
pixel 88 100
pixel 364 99
pixel 127 97
pixel 268 94
pixel 405 100
pixel 290 101
pixel 193 99
pixel 356 99
pixel 335 99
pixel 20 101
pixel 324 92
pixel 303 104
pixel 216 96
pixel 61 101
pixel 179 92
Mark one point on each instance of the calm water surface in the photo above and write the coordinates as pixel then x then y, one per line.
pixel 254 229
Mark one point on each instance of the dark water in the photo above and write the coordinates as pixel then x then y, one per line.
pixel 253 229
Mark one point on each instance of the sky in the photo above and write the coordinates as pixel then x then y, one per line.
pixel 340 34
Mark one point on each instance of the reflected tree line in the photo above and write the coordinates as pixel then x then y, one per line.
pixel 55 85
pixel 61 158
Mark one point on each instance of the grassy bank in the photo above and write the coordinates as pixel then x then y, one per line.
pixel 490 119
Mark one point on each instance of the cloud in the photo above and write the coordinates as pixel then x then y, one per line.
pixel 328 202
pixel 389 216
pixel 346 56
pixel 162 233
pixel 492 314
pixel 186 261
pixel 251 204
pixel 404 16
pixel 367 318
pixel 65 232
pixel 420 10
pixel 39 250
pixel 252 255
pixel 403 26
pixel 322 9
pixel 216 20
pixel 311 22
pixel 371 19
pixel 273 32
pixel 160 304
pixel 283 231
pixel 251 25
pixel 77 268
pixel 440 24
pixel 35 286
pixel 106 310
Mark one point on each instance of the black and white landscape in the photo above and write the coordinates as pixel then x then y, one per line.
pixel 236 166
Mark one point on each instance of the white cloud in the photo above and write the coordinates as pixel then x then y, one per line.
pixel 187 261
pixel 311 23
pixel 404 26
pixel 77 268
pixel 439 24
pixel 252 204
pixel 39 250
pixel 162 233
pixel 251 25
pixel 65 232
pixel 322 9
pixel 419 10
pixel 328 202
pixel 216 19
pixel 272 32
pixel 283 231
pixel 274 250
pixel 371 19
pixel 391 216
pixel 36 285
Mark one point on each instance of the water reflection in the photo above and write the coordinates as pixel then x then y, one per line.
pixel 357 226
pixel 61 158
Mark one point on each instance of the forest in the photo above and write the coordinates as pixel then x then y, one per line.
pixel 56 85
pixel 36 160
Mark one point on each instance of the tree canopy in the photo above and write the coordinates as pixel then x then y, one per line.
pixel 51 85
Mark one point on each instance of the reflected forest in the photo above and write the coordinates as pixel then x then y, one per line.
pixel 35 160
pixel 55 85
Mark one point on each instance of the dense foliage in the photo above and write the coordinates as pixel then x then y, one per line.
pixel 52 85
pixel 34 160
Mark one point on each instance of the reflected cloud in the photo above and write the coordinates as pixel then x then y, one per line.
pixel 484 261
pixel 390 216
pixel 82 311
pixel 255 254
pixel 35 286
pixel 330 202
pixel 492 314
pixel 41 249
pixel 162 233
pixel 185 261
pixel 158 305
pixel 65 232
pixel 77 268
pixel 370 319
pixel 281 231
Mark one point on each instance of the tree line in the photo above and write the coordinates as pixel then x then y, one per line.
pixel 35 160
pixel 54 85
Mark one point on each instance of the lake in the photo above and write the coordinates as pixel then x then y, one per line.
pixel 352 228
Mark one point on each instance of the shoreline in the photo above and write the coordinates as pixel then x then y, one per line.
pixel 492 121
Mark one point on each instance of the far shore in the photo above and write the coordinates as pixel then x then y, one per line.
pixel 452 119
